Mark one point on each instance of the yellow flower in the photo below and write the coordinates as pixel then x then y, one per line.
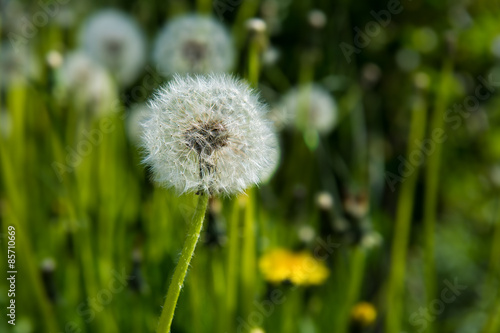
pixel 364 313
pixel 301 268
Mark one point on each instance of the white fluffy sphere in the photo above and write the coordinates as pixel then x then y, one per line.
pixel 193 44
pixel 116 41
pixel 209 134
pixel 309 107
pixel 86 84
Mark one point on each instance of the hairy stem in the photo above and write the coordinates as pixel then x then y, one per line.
pixel 174 289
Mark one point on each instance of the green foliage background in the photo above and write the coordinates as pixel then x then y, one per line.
pixel 104 218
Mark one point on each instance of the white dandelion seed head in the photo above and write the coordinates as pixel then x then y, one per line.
pixel 317 18
pixel 85 83
pixel 309 107
pixel 115 40
pixel 137 115
pixel 193 44
pixel 208 133
pixel 256 24
pixel 54 59
pixel 16 64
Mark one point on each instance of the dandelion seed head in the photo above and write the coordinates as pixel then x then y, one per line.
pixel 54 59
pixel 16 64
pixel 324 200
pixel 85 83
pixel 256 24
pixel 114 40
pixel 193 44
pixel 208 134
pixel 309 107
pixel 317 18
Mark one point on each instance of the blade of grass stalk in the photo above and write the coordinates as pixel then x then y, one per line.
pixel 254 62
pixel 493 323
pixel 248 9
pixel 27 261
pixel 404 212
pixel 431 184
pixel 356 273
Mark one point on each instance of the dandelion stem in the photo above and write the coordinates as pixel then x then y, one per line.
pixel 248 255
pixel 174 289
pixel 232 264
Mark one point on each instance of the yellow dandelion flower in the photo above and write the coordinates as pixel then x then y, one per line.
pixel 301 268
pixel 364 313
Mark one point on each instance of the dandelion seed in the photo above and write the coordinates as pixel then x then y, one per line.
pixel 84 83
pixel 309 107
pixel 208 134
pixel 114 40
pixel 193 44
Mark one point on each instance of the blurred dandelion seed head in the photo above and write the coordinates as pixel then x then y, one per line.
pixel 54 59
pixel 113 39
pixel 317 18
pixel 16 64
pixel 309 107
pixel 193 44
pixel 256 25
pixel 208 133
pixel 324 200
pixel 85 83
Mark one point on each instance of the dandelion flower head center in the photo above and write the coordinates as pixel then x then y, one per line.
pixel 207 137
pixel 194 51
pixel 114 46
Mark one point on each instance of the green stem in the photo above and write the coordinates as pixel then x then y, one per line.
pixel 204 6
pixel 356 273
pixel 493 322
pixel 254 63
pixel 431 188
pixel 232 265
pixel 402 224
pixel 174 289
pixel 248 260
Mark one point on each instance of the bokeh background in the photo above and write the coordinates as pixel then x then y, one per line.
pixel 384 219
